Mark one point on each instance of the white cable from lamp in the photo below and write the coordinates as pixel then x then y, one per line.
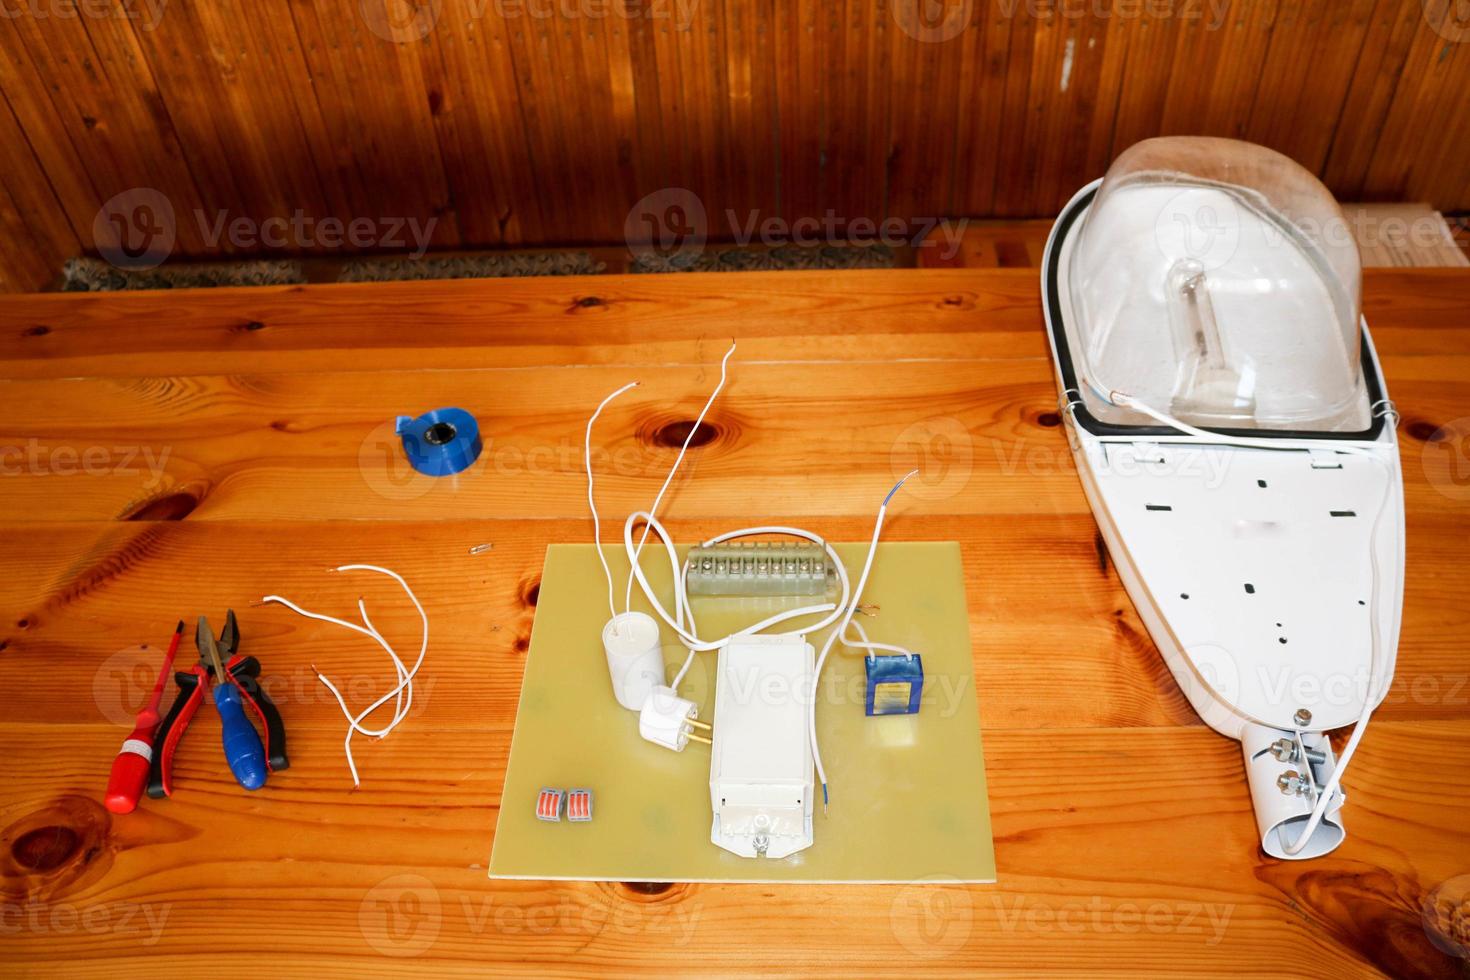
pixel 1324 799
pixel 592 503
pixel 401 694
pixel 682 620
pixel 698 421
pixel 848 610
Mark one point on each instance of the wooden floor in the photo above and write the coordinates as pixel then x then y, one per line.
pixel 175 454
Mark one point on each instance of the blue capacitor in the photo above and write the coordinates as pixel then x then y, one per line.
pixel 441 442
pixel 895 684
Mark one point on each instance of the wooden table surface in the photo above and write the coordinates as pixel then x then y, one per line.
pixel 168 455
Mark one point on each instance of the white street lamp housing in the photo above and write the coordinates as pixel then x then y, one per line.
pixel 1233 433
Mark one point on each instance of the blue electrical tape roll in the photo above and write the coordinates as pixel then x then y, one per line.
pixel 440 443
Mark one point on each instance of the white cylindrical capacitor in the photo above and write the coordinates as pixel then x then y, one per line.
pixel 635 658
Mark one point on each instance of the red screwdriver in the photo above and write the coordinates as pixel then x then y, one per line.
pixel 130 768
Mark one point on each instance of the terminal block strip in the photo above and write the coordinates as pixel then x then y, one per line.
pixel 760 568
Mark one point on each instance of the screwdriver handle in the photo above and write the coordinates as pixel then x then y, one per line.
pixel 129 773
pixel 243 750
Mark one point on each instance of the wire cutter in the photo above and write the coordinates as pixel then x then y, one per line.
pixel 242 686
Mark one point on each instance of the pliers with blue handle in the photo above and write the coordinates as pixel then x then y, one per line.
pixel 249 759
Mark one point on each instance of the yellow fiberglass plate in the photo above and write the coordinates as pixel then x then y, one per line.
pixel 908 797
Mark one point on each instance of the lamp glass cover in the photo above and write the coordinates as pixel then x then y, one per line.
pixel 1217 281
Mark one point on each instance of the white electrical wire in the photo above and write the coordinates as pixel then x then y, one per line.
pixel 592 503
pixel 682 618
pixel 863 643
pixel 839 613
pixel 1370 698
pixel 628 602
pixel 838 566
pixel 848 610
pixel 402 693
pixel 681 599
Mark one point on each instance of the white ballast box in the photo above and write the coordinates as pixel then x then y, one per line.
pixel 760 773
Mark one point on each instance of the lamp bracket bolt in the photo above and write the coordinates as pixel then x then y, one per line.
pixel 1286 750
pixel 1292 783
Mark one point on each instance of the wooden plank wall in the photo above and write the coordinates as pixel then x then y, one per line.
pixel 522 122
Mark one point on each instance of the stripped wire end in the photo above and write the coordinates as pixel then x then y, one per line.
pixel 900 483
pixel 824 799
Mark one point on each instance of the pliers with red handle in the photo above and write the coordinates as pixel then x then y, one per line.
pixel 192 684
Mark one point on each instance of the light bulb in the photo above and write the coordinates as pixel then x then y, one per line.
pixel 1207 387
